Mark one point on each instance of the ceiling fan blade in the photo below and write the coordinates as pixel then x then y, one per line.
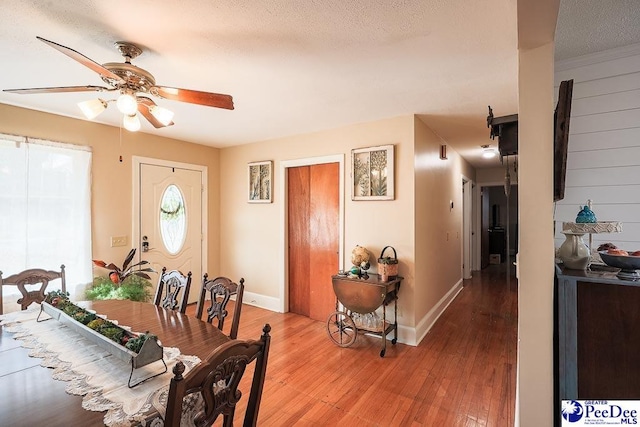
pixel 59 89
pixel 193 96
pixel 83 60
pixel 144 104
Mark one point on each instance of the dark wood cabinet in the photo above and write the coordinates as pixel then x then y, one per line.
pixel 598 327
pixel 608 341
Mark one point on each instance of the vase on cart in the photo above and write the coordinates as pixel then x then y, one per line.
pixel 573 252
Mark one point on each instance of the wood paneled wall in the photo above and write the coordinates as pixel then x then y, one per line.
pixel 604 143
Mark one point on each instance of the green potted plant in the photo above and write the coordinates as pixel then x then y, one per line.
pixel 129 282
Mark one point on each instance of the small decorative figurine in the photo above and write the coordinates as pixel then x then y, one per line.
pixel 360 260
pixel 586 216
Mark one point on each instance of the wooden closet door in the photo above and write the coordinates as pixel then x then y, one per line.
pixel 313 238
pixel 323 237
pixel 299 252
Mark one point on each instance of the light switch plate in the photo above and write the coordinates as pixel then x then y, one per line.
pixel 118 241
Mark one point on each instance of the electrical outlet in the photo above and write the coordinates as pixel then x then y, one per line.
pixel 118 241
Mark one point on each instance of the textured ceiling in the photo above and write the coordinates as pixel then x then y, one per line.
pixel 589 26
pixel 291 67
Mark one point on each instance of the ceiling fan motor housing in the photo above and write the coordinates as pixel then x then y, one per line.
pixel 136 79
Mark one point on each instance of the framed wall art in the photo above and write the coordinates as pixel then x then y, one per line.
pixel 260 179
pixel 372 173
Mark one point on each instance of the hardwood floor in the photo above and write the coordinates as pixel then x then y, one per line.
pixel 461 374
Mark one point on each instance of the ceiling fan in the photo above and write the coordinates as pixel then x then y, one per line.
pixel 132 83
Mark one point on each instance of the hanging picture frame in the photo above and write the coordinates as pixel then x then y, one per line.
pixel 260 182
pixel 372 173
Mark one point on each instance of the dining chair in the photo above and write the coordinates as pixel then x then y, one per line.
pixel 216 378
pixel 220 291
pixel 172 283
pixel 33 276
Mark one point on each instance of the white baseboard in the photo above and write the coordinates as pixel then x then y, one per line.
pixel 430 318
pixel 262 301
pixel 406 334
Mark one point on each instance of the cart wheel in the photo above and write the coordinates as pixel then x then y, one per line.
pixel 382 352
pixel 341 329
pixel 394 341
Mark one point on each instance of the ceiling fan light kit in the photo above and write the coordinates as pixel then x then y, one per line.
pixel 133 83
pixel 131 123
pixel 127 104
pixel 92 108
pixel 163 115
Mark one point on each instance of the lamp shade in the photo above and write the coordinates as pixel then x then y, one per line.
pixel 131 123
pixel 92 108
pixel 163 115
pixel 127 104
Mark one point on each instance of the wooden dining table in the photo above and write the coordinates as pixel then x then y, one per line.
pixel 30 396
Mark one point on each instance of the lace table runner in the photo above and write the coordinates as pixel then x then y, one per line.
pixel 97 375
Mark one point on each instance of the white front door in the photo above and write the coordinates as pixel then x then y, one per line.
pixel 170 228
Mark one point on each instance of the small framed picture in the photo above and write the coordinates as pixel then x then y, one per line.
pixel 260 178
pixel 372 173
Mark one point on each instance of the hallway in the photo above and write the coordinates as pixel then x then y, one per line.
pixel 461 374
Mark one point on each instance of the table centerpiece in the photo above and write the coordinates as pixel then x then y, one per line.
pixel 139 349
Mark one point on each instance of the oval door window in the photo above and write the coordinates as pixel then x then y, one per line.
pixel 173 219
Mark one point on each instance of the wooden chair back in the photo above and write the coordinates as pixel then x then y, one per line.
pixel 220 291
pixel 173 283
pixel 217 378
pixel 33 276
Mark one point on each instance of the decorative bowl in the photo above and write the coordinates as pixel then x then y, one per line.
pixel 627 264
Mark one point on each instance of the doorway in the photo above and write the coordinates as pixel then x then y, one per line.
pixel 169 211
pixel 499 224
pixel 313 230
pixel 467 227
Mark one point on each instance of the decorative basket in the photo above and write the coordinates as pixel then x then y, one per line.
pixel 388 266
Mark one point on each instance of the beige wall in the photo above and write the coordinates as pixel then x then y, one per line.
pixel 245 240
pixel 251 233
pixel 536 253
pixel 415 223
pixel 536 25
pixel 111 179
pixel 438 227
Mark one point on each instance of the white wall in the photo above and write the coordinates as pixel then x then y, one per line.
pixel 603 162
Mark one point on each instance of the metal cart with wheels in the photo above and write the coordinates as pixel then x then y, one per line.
pixel 361 297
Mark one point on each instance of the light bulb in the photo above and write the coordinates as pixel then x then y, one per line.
pixel 163 115
pixel 127 104
pixel 92 108
pixel 131 123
